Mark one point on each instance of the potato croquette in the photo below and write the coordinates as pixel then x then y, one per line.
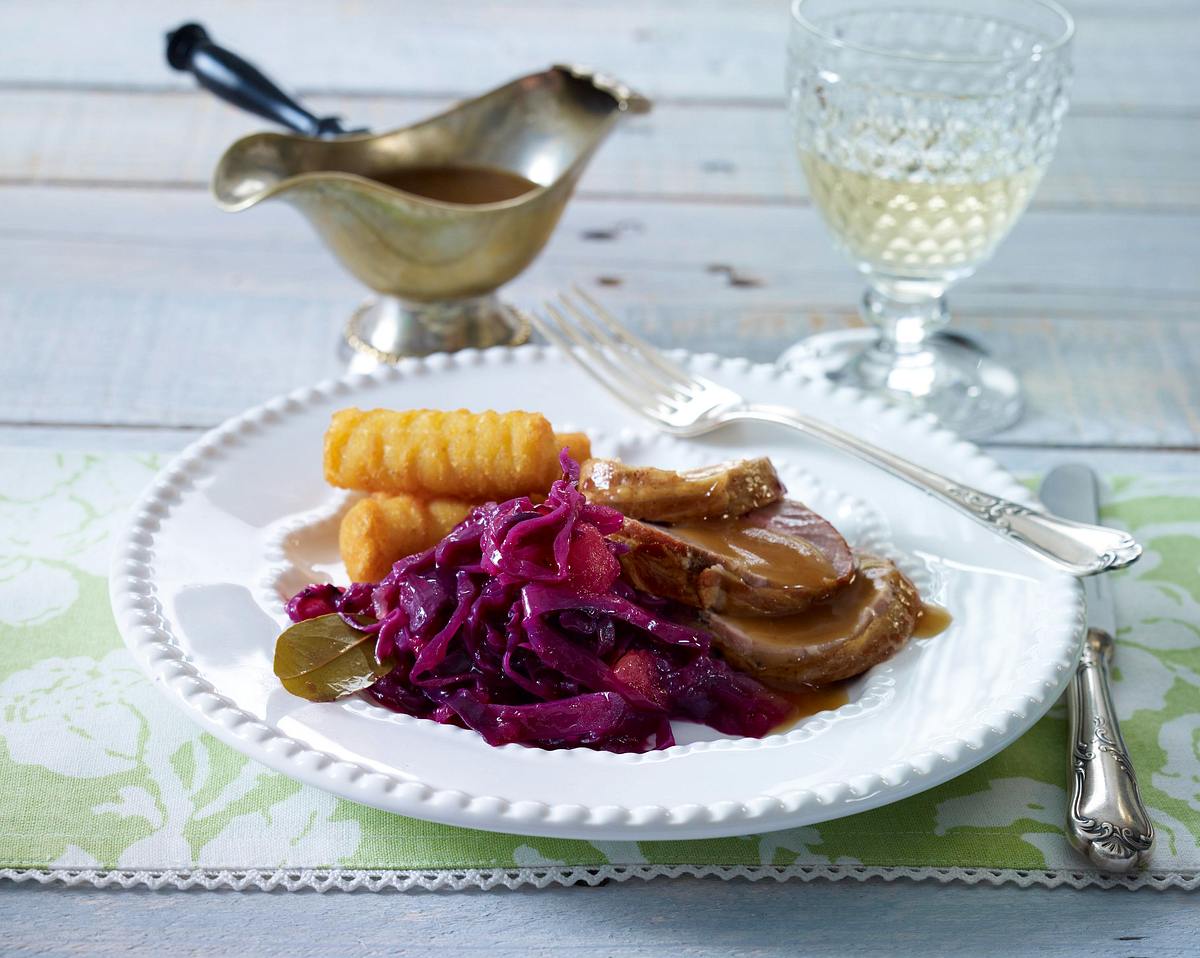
pixel 447 455
pixel 578 444
pixel 379 531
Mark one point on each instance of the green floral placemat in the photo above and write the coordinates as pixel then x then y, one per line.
pixel 102 781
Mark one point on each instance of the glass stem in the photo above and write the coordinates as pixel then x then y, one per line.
pixel 905 313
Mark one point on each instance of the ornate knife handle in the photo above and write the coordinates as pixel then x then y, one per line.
pixel 1106 819
pixel 1079 548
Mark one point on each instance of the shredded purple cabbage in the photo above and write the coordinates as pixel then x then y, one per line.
pixel 518 625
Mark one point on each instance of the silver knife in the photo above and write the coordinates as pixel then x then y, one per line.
pixel 1106 820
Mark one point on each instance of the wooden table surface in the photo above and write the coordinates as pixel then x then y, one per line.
pixel 135 315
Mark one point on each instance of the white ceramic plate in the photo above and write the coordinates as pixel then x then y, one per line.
pixel 242 518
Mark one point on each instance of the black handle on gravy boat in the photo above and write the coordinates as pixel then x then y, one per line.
pixel 236 81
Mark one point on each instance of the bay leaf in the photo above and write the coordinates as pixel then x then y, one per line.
pixel 323 659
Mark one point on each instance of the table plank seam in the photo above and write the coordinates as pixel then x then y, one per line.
pixel 1099 110
pixel 1185 209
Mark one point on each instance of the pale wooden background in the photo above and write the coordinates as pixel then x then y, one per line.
pixel 134 314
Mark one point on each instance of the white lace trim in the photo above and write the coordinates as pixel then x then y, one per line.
pixel 336 879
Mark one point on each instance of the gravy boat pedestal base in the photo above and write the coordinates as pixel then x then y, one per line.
pixel 385 329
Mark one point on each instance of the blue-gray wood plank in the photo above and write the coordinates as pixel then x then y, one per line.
pixel 678 918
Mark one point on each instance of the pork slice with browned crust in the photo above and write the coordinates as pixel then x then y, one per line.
pixel 773 561
pixel 843 635
pixel 660 495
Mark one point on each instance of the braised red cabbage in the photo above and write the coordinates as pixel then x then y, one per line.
pixel 518 625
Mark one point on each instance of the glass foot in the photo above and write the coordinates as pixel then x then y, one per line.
pixel 386 329
pixel 949 377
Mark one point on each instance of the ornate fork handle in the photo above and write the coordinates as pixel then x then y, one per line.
pixel 1079 548
pixel 1106 819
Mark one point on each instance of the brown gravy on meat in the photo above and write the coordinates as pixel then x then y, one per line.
pixel 827 620
pixel 784 561
pixel 832 619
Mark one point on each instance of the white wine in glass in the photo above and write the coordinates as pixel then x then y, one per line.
pixel 923 132
pixel 905 228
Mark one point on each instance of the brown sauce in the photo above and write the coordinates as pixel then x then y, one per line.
pixel 468 185
pixel 810 701
pixel 829 620
pixel 784 561
pixel 933 620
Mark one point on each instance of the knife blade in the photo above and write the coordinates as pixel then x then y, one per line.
pixel 1071 491
pixel 1106 818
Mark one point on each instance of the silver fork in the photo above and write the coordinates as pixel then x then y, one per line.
pixel 684 404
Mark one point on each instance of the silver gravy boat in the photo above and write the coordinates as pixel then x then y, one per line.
pixel 434 263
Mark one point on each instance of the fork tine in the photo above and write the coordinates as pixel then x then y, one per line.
pixel 678 376
pixel 602 369
pixel 546 329
pixel 560 341
pixel 641 370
